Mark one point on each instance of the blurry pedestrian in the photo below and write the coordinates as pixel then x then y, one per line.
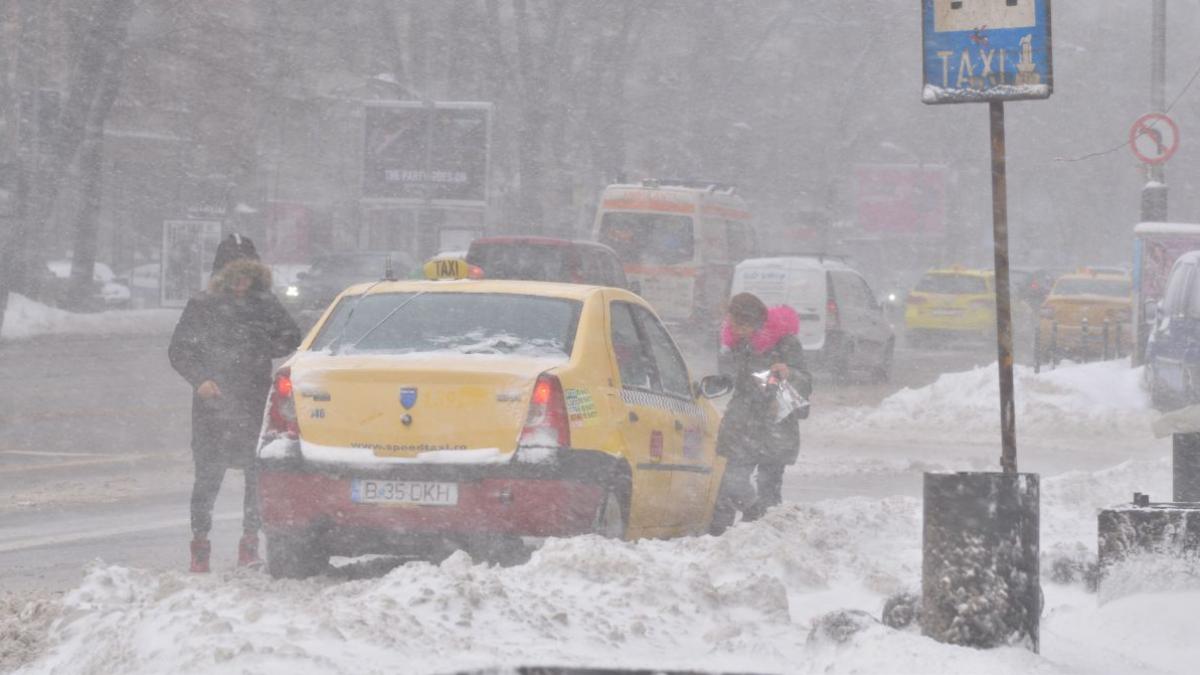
pixel 755 339
pixel 223 346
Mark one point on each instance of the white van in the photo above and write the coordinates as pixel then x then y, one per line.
pixel 678 242
pixel 842 325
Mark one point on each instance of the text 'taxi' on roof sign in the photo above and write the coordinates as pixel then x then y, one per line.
pixel 986 50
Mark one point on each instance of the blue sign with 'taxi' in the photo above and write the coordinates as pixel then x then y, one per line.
pixel 986 50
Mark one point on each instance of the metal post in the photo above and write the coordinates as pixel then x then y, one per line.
pixel 1008 414
pixel 1106 333
pixel 1085 336
pixel 1054 344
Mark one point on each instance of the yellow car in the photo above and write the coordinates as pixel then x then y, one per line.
pixel 420 417
pixel 1087 315
pixel 951 301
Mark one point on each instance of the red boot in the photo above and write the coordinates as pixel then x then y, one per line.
pixel 200 550
pixel 248 550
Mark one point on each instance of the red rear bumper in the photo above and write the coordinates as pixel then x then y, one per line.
pixel 531 507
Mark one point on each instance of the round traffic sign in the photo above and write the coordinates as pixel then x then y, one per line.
pixel 1154 137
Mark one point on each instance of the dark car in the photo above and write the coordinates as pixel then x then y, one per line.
pixel 1173 349
pixel 547 259
pixel 331 273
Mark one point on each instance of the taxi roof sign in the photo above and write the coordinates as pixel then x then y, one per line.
pixel 986 50
pixel 444 269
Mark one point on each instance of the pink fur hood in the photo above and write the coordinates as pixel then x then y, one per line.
pixel 781 320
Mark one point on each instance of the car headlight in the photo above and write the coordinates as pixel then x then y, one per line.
pixel 292 291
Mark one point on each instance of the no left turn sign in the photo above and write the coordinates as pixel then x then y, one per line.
pixel 1154 137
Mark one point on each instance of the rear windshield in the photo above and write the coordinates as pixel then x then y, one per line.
pixel 952 284
pixel 465 323
pixel 516 260
pixel 648 238
pixel 1116 288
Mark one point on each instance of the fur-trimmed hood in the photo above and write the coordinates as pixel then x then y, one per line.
pixel 781 320
pixel 221 283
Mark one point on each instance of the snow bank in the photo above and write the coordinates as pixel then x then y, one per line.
pixel 1094 399
pixel 26 318
pixel 745 601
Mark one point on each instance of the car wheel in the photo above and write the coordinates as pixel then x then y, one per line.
pixel 612 515
pixel 883 371
pixel 1158 395
pixel 295 556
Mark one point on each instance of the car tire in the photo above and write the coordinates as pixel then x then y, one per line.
pixel 883 372
pixel 612 515
pixel 295 555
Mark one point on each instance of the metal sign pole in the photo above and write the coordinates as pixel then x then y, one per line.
pixel 1004 341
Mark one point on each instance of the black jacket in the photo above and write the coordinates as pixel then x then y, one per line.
pixel 749 433
pixel 230 342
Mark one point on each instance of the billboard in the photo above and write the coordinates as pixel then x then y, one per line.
pixel 436 153
pixel 188 249
pixel 904 200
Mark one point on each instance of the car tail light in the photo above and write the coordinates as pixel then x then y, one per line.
pixel 547 423
pixel 832 317
pixel 281 406
pixel 474 272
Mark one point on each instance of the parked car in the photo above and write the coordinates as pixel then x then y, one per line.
pixel 1087 315
pixel 145 285
pixel 332 273
pixel 583 419
pixel 951 302
pixel 1032 284
pixel 842 324
pixel 1172 358
pixel 106 292
pixel 547 259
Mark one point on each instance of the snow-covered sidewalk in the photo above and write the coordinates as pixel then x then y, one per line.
pixel 27 318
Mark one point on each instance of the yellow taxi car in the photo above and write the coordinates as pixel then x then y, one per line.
pixel 420 417
pixel 949 302
pixel 1087 315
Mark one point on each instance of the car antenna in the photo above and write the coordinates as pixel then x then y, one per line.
pixel 389 274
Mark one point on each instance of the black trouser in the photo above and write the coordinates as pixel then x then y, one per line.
pixel 209 475
pixel 737 493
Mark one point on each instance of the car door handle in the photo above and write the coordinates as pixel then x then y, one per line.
pixel 633 417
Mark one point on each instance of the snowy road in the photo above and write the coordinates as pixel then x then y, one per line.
pixel 849 537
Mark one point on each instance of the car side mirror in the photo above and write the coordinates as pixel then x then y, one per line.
pixel 635 287
pixel 1152 310
pixel 715 386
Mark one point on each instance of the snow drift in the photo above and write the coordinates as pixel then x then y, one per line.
pixel 1094 399
pixel 27 318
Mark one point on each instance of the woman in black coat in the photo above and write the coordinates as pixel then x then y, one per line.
pixel 756 339
pixel 223 346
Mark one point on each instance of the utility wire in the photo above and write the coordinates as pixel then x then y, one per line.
pixel 1101 153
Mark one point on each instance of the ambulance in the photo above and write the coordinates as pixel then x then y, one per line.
pixel 679 242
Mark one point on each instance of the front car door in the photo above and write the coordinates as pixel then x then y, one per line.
pixel 689 448
pixel 1170 334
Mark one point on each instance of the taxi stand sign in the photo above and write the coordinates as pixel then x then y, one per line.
pixel 986 50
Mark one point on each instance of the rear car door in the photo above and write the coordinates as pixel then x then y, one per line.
pixel 643 425
pixel 688 455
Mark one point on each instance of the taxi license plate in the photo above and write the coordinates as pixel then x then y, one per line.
pixel 403 492
pixel 947 312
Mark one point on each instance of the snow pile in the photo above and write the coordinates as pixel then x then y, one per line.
pixel 746 601
pixel 1095 399
pixel 26 318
